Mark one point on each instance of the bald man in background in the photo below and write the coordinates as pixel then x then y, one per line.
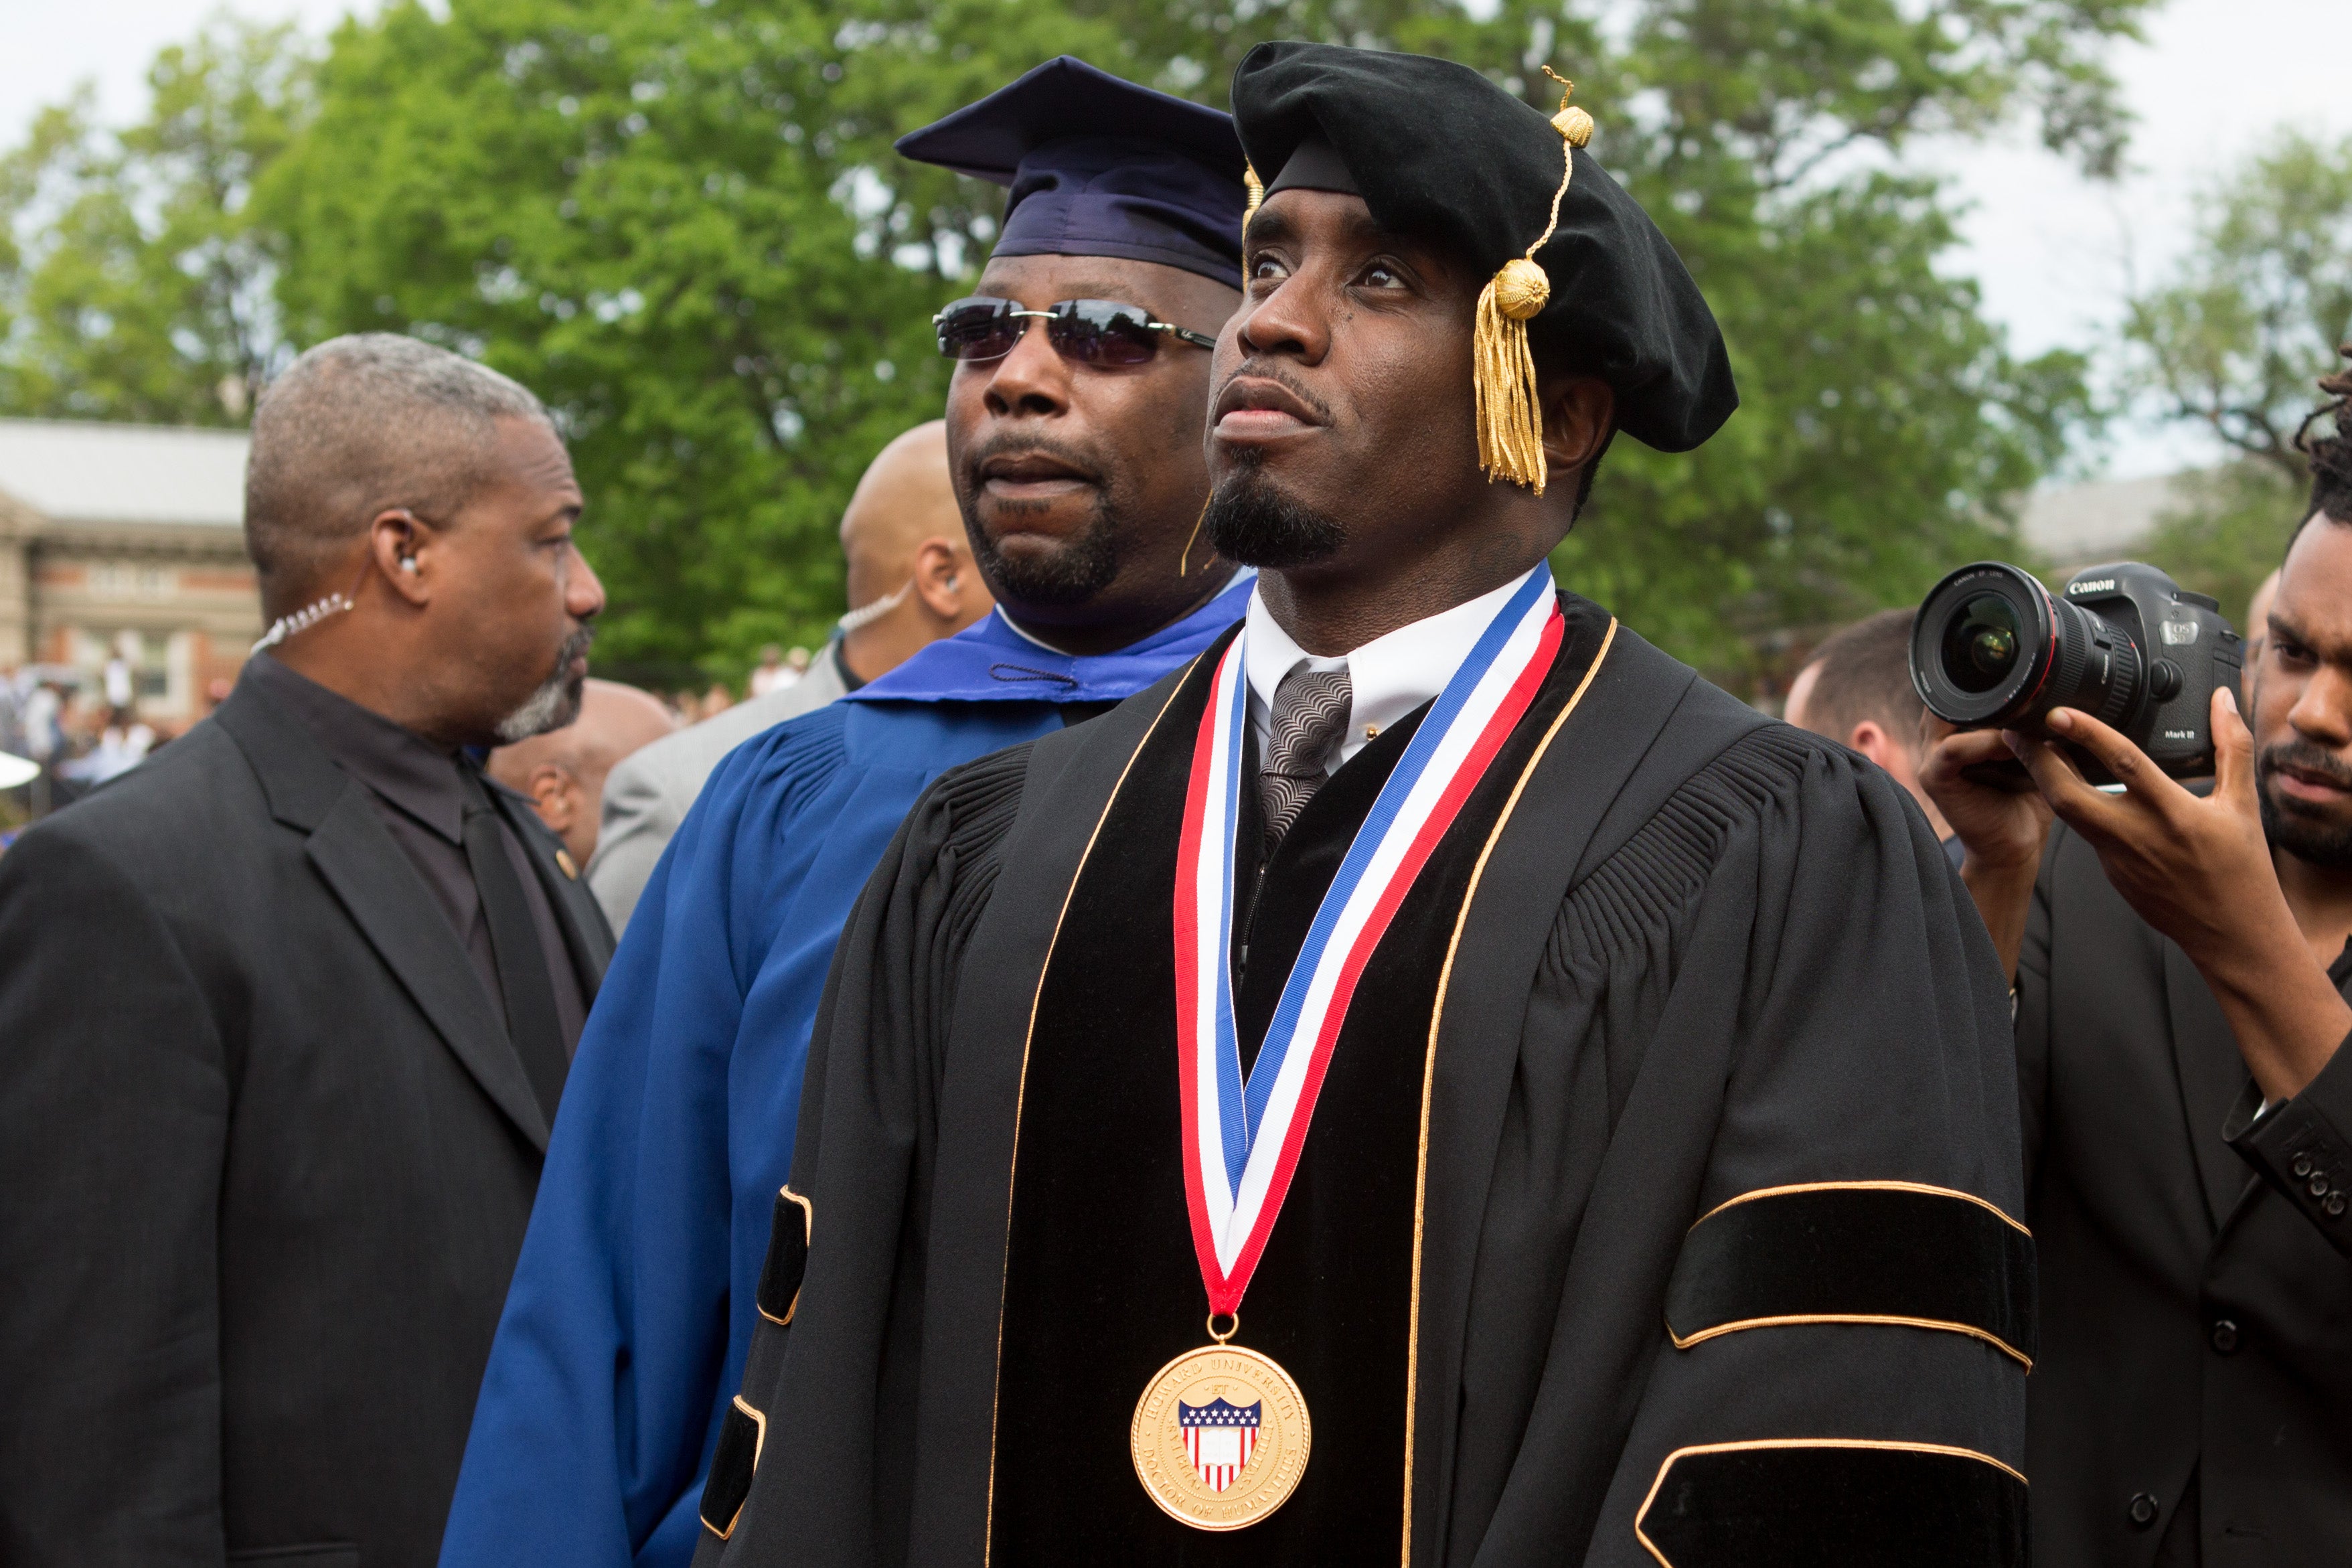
pixel 912 582
pixel 562 771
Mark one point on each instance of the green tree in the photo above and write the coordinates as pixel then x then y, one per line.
pixel 2236 338
pixel 1886 431
pixel 665 219
pixel 134 281
pixel 682 224
pixel 2233 341
pixel 2228 530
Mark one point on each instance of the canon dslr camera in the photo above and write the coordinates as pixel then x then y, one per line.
pixel 1992 649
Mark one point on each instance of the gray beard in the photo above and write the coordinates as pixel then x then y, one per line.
pixel 556 702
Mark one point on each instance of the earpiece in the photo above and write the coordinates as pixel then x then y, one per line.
pixel 408 563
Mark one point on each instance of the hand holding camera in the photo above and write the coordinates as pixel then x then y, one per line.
pixel 2196 867
pixel 1993 649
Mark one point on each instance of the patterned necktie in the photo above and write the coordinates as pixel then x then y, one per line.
pixel 1310 715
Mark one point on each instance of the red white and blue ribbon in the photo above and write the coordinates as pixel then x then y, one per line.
pixel 1242 1136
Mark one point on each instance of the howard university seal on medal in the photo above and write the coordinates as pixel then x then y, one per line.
pixel 1219 1438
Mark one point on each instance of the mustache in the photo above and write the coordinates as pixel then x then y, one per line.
pixel 1262 369
pixel 2308 757
pixel 1017 444
pixel 574 646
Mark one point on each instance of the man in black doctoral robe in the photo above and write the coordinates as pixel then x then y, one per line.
pixel 1656 1204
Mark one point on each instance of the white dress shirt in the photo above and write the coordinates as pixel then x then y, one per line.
pixel 1388 676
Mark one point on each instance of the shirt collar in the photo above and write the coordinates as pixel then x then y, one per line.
pixel 397 763
pixel 1388 676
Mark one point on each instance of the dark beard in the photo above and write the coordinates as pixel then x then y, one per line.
pixel 1251 522
pixel 2314 840
pixel 557 702
pixel 1083 567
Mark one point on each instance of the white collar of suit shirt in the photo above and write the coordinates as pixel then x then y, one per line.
pixel 1389 675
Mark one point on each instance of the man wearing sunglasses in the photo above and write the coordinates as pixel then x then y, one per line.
pixel 1601 1093
pixel 1074 421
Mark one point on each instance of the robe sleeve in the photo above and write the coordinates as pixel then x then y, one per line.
pixel 839 1300
pixel 1770 1054
pixel 600 1402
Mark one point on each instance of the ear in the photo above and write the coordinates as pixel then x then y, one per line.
pixel 1578 413
pixel 944 580
pixel 399 545
pixel 1870 739
pixel 555 795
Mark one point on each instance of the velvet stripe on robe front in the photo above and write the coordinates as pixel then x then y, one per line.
pixel 1706 955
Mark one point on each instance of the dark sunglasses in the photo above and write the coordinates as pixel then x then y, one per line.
pixel 1090 332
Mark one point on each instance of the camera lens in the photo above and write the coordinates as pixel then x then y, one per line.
pixel 1980 649
pixel 1992 649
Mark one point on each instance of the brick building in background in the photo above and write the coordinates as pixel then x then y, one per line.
pixel 127 541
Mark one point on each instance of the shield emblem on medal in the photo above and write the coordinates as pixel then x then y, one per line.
pixel 1219 1438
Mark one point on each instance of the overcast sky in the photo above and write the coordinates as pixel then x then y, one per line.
pixel 2055 253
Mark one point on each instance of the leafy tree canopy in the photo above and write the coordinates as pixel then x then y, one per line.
pixel 681 223
pixel 2236 338
pixel 2233 341
pixel 134 281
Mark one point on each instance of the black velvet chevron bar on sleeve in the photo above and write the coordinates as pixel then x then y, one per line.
pixel 789 1230
pixel 1800 1503
pixel 734 1459
pixel 1871 1252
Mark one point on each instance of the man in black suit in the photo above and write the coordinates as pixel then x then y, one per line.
pixel 2182 971
pixel 285 1012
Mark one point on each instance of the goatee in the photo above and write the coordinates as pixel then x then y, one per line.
pixel 1251 520
pixel 557 702
pixel 1071 572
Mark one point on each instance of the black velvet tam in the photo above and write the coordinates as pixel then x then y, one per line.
pixel 1099 166
pixel 1437 150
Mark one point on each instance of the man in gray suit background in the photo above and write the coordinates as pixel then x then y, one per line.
pixel 911 577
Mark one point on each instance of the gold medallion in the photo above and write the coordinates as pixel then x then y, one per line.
pixel 1219 1438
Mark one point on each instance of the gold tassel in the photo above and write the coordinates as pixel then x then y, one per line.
pixel 1503 370
pixel 1255 188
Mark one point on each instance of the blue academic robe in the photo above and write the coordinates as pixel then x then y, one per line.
pixel 626 1327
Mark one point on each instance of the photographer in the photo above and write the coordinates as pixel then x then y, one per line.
pixel 2181 961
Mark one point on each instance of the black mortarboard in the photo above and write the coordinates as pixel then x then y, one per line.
pixel 1435 149
pixel 1101 167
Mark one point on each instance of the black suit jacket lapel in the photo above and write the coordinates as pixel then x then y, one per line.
pixel 386 898
pixel 2212 1074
